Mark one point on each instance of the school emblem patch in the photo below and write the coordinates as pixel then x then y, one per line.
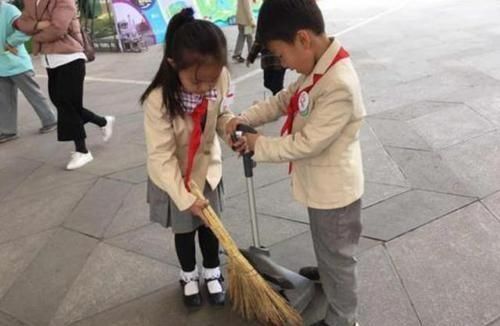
pixel 304 104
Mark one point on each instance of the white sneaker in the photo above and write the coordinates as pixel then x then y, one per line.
pixel 107 130
pixel 78 160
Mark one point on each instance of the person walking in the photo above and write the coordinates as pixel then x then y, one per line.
pixel 56 33
pixel 246 26
pixel 16 72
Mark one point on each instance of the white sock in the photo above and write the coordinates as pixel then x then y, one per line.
pixel 211 272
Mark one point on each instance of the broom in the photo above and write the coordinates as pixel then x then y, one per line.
pixel 251 296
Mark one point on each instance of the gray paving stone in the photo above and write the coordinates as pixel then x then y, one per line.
pixel 134 175
pixel 47 178
pixel 298 251
pixel 12 173
pixel 496 322
pixel 264 174
pixel 35 147
pixel 133 213
pixel 275 200
pixel 272 230
pixel 15 256
pixel 476 163
pixel 127 129
pixel 96 210
pixel 488 107
pixel 451 126
pixel 397 134
pixel 105 162
pixel 162 307
pixel 369 141
pixel 7 320
pixel 428 171
pixel 380 168
pixel 375 193
pixel 123 276
pixel 415 110
pixel 34 213
pixel 153 241
pixel 382 299
pixel 407 211
pixel 493 204
pixel 38 291
pixel 450 281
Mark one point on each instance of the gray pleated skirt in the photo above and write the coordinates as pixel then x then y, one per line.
pixel 164 211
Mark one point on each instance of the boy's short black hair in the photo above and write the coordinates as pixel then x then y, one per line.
pixel 280 20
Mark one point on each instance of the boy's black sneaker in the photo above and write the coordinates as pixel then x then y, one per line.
pixel 310 272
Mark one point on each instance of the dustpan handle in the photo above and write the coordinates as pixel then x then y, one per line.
pixel 248 165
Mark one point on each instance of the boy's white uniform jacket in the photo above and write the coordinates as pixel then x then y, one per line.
pixel 324 145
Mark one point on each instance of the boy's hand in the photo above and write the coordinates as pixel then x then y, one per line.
pixel 232 124
pixel 10 49
pixel 239 145
pixel 251 139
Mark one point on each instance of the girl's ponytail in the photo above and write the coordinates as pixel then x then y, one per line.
pixel 185 16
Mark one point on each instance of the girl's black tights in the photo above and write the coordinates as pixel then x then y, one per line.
pixel 186 249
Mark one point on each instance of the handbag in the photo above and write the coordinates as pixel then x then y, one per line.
pixel 87 44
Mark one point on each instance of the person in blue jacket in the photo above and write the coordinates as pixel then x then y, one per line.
pixel 16 72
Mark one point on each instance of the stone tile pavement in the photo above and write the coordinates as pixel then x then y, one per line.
pixel 77 248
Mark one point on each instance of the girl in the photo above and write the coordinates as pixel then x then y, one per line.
pixel 185 105
pixel 56 35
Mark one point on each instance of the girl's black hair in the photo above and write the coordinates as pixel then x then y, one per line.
pixel 188 42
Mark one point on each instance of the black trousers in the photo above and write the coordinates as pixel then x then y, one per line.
pixel 186 249
pixel 273 79
pixel 66 93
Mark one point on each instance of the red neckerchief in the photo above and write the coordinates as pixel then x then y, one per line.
pixel 194 142
pixel 293 106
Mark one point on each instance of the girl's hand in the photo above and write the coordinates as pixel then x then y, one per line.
pixel 197 207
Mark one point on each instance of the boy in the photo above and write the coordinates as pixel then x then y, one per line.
pixel 320 139
pixel 16 71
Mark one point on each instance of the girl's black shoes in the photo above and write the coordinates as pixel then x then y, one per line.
pixel 191 288
pixel 215 289
pixel 214 284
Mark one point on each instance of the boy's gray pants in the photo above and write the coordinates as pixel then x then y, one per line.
pixel 8 101
pixel 335 234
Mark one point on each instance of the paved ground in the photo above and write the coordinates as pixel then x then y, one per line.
pixel 76 248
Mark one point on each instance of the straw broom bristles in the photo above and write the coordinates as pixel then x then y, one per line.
pixel 251 296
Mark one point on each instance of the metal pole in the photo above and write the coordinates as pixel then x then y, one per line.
pixel 253 214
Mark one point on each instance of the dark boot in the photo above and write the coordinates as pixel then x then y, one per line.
pixel 310 272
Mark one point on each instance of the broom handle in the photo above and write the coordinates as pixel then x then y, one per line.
pixel 214 222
